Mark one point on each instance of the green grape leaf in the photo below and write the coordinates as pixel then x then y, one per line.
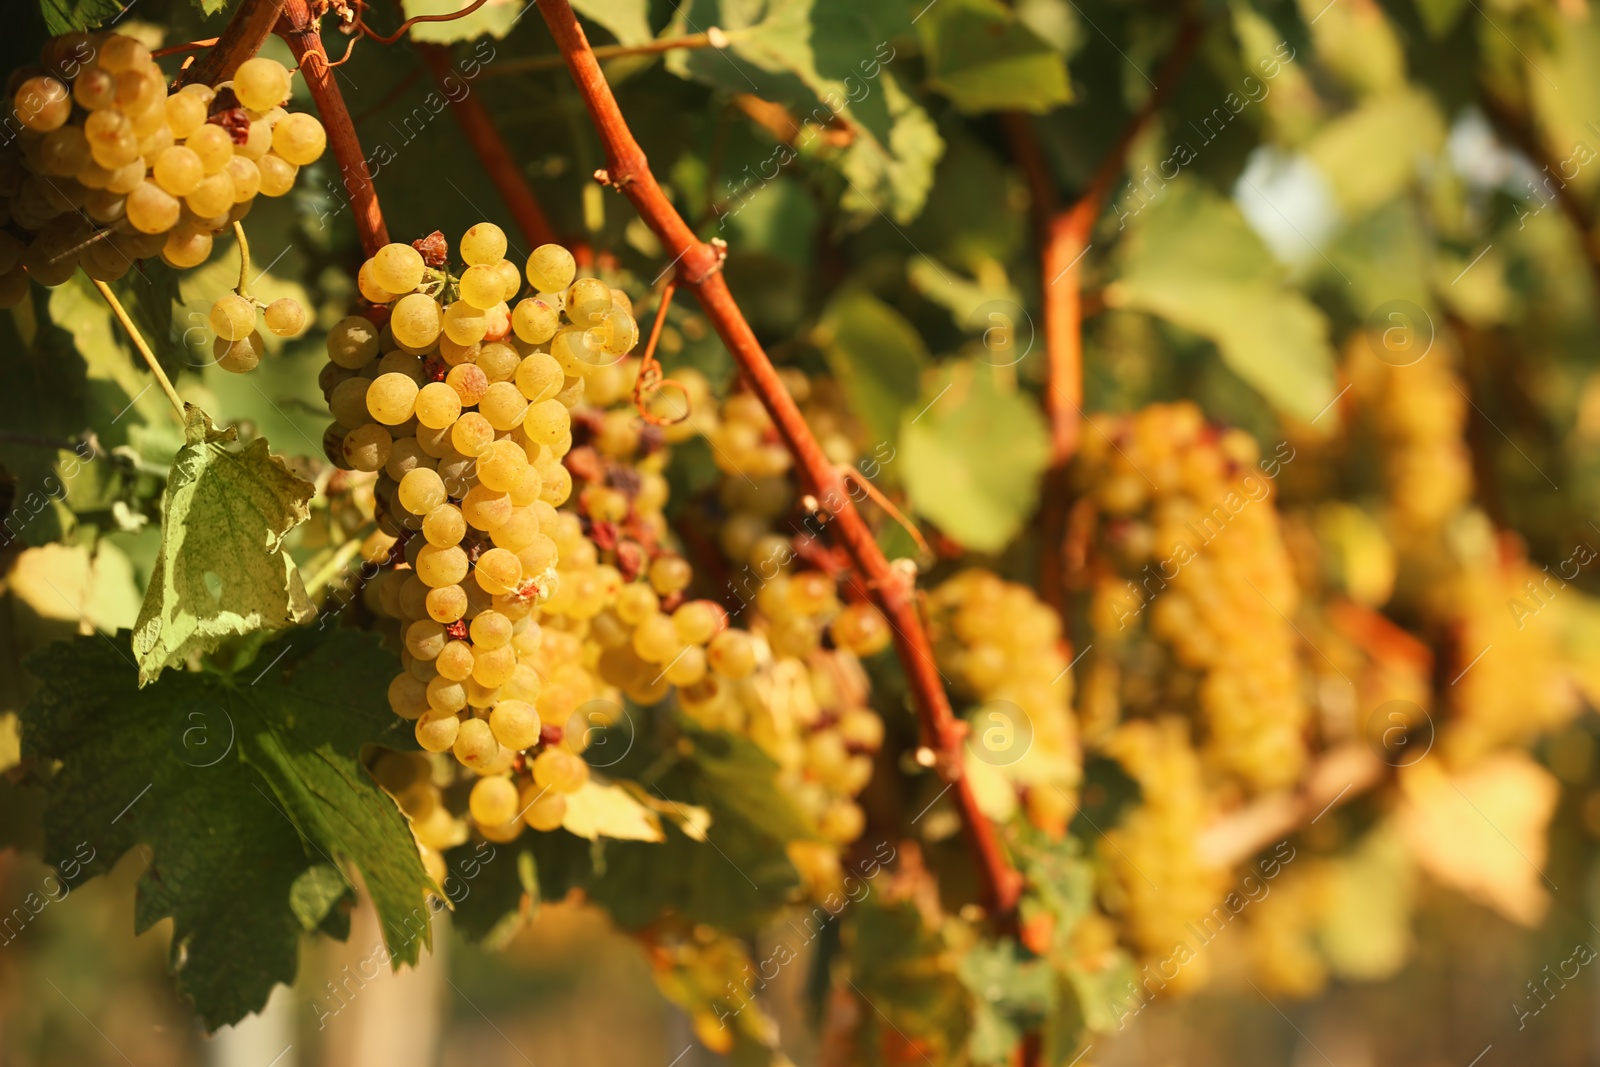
pixel 239 786
pixel 628 20
pixel 65 16
pixel 973 455
pixel 984 58
pixel 315 892
pixel 224 516
pixel 1355 150
pixel 903 970
pixel 494 18
pixel 877 356
pixel 828 61
pixel 1189 257
pixel 1012 993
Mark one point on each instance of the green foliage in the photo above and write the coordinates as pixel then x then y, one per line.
pixel 1190 258
pixel 971 459
pixel 985 58
pixel 1011 991
pixel 877 356
pixel 224 517
pixel 246 795
pixel 64 16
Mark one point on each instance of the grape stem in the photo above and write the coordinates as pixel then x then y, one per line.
pixel 297 25
pixel 490 147
pixel 244 260
pixel 699 268
pixel 139 342
pixel 242 38
pixel 337 562
pixel 712 38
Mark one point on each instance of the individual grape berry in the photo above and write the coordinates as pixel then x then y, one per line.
pixel 178 170
pixel 415 320
pixel 587 300
pixel 186 248
pixel 233 317
pixel 150 209
pixel 366 448
pixel 246 179
pixel 515 724
pixel 241 356
pixel 277 174
pixel 860 628
pixel 421 490
pixel 464 324
pixel 499 571
pixel 392 398
pixel 438 567
pixel 186 112
pixel 42 104
pixel 299 138
pixel 398 268
pixel 353 342
pixel 438 405
pixel 481 287
pixel 543 809
pixel 493 801
pixel 732 654
pixel 560 770
pixel 285 317
pixel 213 146
pixel 120 53
pixel 261 83
pixel 551 268
pixel 96 88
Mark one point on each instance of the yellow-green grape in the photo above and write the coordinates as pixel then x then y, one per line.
pixel 246 178
pixel 437 405
pixel 366 448
pixel 517 532
pixel 501 467
pixel 392 398
pixel 446 604
pixel 178 170
pixel 618 332
pixel 490 629
pixel 546 422
pixel 469 383
pixel 398 268
pixel 551 268
pixel 475 744
pixel 557 486
pixel 353 342
pixel 539 378
pixel 233 317
pixel 443 525
pixel 119 53
pixel 515 724
pixel 445 695
pixel 481 287
pixel 112 143
pixel 425 639
pixel 535 320
pixel 732 654
pixel 670 574
pixel 530 484
pixel 277 174
pixel 656 640
pixel 636 602
pixel 493 801
pixel 186 248
pixel 212 198
pixel 483 245
pixel 151 209
pixel 415 320
pixel 543 809
pixel 261 83
pixel 299 138
pixel 454 660
pixel 499 571
pixel 257 142
pixel 96 88
pixel 485 509
pixel 464 323
pixel 436 730
pixel 212 145
pixel 698 621
pixel 510 278
pixel 421 490
pixel 587 300
pixel 185 111
pixel 860 628
pixel 64 152
pixel 577 353
pixel 441 566
pixel 369 288
pixel 862 728
pixel 285 317
pixel 239 356
pixel 347 401
pixel 498 361
pixel 408 698
pixel 472 435
pixel 42 104
pixel 503 405
pixel 494 667
pixel 687 667
pixel 560 770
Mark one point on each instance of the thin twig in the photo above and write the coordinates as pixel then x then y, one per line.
pixel 699 266
pixel 139 343
pixel 187 46
pixel 649 379
pixel 298 28
pixel 712 38
pixel 486 140
pixel 413 20
pixel 244 260
pixel 242 38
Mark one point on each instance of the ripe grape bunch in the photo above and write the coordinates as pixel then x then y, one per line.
pixel 107 166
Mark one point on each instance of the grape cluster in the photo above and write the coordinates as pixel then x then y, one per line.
pixel 108 167
pixel 1003 646
pixel 1197 558
pixel 238 345
pixel 1163 889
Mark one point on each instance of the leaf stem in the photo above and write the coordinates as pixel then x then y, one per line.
pixel 244 260
pixel 144 349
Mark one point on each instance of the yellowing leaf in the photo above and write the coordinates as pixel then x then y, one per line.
pixel 66 582
pixel 1482 831
pixel 222 570
pixel 1365 931
pixel 605 810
